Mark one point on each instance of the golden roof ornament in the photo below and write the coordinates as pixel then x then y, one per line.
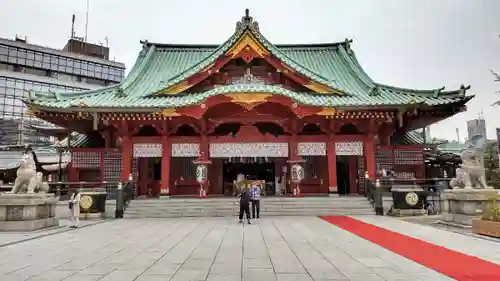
pixel 247 22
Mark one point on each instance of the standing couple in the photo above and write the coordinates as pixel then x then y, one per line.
pixel 248 196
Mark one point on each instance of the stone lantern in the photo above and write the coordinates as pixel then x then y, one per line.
pixel 202 174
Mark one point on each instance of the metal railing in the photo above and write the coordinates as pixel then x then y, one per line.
pixel 122 192
pixel 433 187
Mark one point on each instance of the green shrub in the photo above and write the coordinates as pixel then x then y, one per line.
pixel 492 210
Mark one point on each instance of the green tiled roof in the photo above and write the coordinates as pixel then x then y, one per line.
pixel 408 138
pixel 159 66
pixel 77 140
pixel 452 148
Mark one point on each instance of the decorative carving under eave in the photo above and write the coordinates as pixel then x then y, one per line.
pixel 327 111
pixel 169 112
pixel 248 78
pixel 248 98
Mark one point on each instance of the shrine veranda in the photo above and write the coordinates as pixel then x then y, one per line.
pixel 248 106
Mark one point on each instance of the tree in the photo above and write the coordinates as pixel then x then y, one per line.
pixel 491 164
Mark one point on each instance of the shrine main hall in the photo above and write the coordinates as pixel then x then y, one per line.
pixel 246 106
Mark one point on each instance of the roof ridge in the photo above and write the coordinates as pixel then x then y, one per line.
pixel 137 69
pixel 213 46
pixel 354 67
pixel 248 24
pixel 291 61
pixel 436 92
pixel 201 64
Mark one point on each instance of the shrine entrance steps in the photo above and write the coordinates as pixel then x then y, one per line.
pixel 270 206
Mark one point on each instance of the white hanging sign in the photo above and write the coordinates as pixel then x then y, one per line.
pixel 147 150
pixel 185 149
pixel 251 149
pixel 349 148
pixel 311 148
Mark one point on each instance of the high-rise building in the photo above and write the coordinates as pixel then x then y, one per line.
pixel 25 67
pixel 476 127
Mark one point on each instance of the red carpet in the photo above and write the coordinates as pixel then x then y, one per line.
pixel 451 263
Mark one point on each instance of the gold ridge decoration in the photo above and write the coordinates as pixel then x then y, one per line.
pixel 327 111
pixel 321 89
pixel 32 112
pixel 176 88
pixel 169 112
pixel 248 98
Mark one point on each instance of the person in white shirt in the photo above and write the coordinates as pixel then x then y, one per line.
pixel 74 206
pixel 255 197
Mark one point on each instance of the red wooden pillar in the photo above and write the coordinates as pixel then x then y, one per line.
pixel 166 152
pixel 370 155
pixel 332 164
pixel 292 155
pixel 127 150
pixel 205 155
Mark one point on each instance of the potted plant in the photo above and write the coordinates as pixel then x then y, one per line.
pixel 489 223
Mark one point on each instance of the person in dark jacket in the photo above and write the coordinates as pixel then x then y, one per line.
pixel 245 197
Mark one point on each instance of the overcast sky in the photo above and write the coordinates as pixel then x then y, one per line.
pixel 414 44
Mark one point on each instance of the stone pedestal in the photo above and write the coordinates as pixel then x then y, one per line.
pixel 463 205
pixel 27 212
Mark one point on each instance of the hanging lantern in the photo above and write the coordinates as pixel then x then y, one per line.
pixel 201 173
pixel 297 173
pixel 201 169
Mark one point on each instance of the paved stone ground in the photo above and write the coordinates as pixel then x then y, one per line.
pixel 214 249
pixel 7 238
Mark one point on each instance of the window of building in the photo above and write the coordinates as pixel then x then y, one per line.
pixel 36 71
pixel 91 69
pixel 77 67
pixel 96 82
pixel 12 93
pixel 4 52
pixel 21 53
pixel 54 61
pixel 12 58
pixel 30 59
pixel 6 66
pixel 84 69
pixel 62 62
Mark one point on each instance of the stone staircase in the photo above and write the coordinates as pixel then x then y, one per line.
pixel 270 206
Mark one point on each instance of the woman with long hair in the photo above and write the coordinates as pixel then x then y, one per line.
pixel 74 206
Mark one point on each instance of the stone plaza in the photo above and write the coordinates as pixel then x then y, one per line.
pixel 220 249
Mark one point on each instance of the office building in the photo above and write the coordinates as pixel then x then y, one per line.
pixel 26 67
pixel 476 127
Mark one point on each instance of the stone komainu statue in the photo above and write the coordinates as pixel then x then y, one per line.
pixel 28 180
pixel 471 174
